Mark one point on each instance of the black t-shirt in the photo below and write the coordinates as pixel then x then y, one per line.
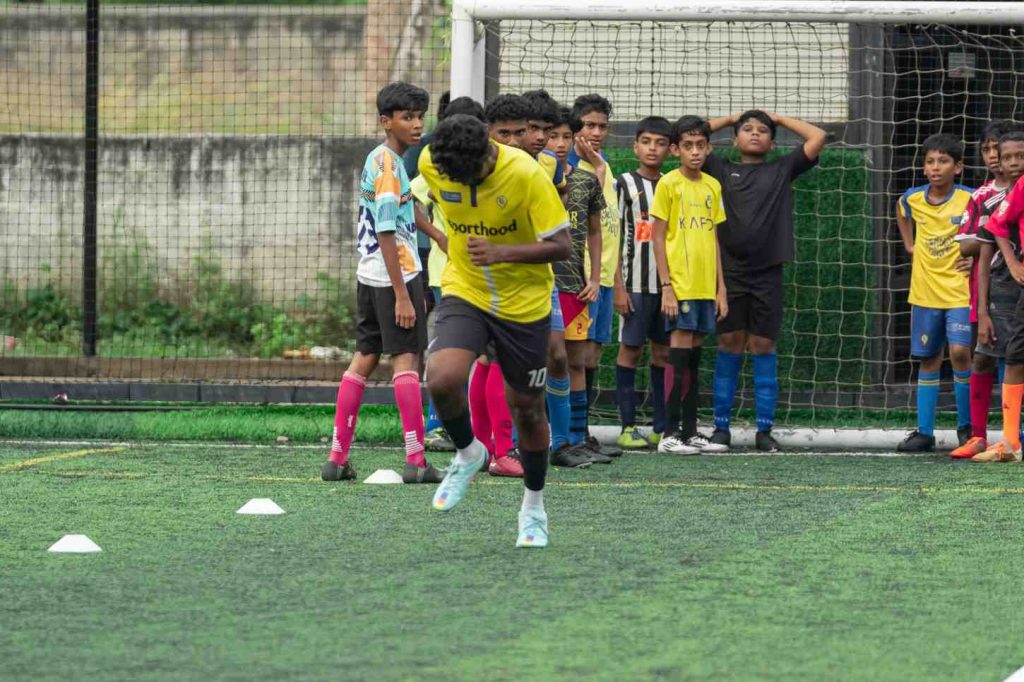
pixel 1001 281
pixel 758 197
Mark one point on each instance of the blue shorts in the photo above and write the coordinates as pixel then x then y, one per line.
pixel 694 316
pixel 601 312
pixel 557 323
pixel 645 322
pixel 932 328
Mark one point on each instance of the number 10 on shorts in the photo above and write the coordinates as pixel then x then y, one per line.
pixel 538 377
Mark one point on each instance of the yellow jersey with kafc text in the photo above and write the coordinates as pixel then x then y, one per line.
pixel 934 281
pixel 692 210
pixel 515 204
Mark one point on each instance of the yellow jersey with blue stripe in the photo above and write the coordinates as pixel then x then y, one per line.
pixel 553 168
pixel 934 281
pixel 515 204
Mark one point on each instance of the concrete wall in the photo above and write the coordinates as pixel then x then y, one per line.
pixel 180 70
pixel 272 210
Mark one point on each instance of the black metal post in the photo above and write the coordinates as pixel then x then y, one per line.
pixel 92 87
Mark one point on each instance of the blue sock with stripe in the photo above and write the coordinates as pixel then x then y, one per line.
pixel 962 390
pixel 558 410
pixel 578 407
pixel 723 388
pixel 660 419
pixel 927 400
pixel 433 421
pixel 766 389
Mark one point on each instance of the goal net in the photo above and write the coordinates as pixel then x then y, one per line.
pixel 878 84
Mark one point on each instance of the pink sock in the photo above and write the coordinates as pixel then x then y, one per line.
pixel 500 414
pixel 981 399
pixel 478 405
pixel 350 394
pixel 409 399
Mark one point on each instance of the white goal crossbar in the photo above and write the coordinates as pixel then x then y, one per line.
pixel 467 68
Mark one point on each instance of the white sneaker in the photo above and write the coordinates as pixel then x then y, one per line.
pixel 677 445
pixel 701 441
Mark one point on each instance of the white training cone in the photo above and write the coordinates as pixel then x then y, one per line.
pixel 384 477
pixel 260 505
pixel 74 544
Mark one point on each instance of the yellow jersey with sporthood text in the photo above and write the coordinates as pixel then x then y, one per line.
pixel 516 204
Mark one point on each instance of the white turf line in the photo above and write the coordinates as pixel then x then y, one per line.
pixel 397 448
pixel 1016 677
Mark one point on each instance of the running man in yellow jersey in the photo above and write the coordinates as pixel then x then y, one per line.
pixel 506 225
pixel 928 218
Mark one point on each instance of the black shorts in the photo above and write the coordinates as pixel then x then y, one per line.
pixel 376 331
pixel 1015 335
pixel 755 302
pixel 520 348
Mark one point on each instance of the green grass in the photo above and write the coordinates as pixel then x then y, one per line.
pixel 312 423
pixel 738 568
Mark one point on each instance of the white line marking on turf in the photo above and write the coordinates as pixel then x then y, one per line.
pixel 1016 677
pixel 398 448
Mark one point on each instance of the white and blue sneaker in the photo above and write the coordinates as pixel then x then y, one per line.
pixel 456 481
pixel 533 528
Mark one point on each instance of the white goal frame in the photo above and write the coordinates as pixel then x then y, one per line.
pixel 467 53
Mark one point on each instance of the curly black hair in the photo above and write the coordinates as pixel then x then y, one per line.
pixel 944 143
pixel 995 129
pixel 508 108
pixel 459 148
pixel 401 97
pixel 544 106
pixel 758 116
pixel 1011 136
pixel 695 125
pixel 464 105
pixel 586 104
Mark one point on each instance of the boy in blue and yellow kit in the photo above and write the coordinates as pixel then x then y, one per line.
pixel 928 217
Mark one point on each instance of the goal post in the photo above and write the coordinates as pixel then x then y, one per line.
pixel 467 66
pixel 879 76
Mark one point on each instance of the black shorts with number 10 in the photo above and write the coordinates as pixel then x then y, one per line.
pixel 521 348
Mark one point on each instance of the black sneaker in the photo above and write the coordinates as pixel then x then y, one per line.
pixel 963 434
pixel 428 474
pixel 606 450
pixel 721 438
pixel 916 442
pixel 569 457
pixel 592 451
pixel 765 442
pixel 332 472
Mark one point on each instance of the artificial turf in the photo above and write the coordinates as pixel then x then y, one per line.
pixel 703 568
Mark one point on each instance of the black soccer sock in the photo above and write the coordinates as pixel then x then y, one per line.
pixel 460 429
pixel 679 358
pixel 535 468
pixel 692 394
pixel 590 386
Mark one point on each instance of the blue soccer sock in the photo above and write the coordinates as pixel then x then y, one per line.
pixel 766 389
pixel 1002 370
pixel 578 416
pixel 727 375
pixel 927 400
pixel 433 421
pixel 558 410
pixel 962 390
pixel 625 394
pixel 658 399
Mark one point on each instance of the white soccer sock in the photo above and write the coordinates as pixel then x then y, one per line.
pixel 532 499
pixel 470 455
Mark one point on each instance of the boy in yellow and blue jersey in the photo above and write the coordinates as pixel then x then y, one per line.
pixel 590 123
pixel 506 225
pixel 929 217
pixel 687 211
